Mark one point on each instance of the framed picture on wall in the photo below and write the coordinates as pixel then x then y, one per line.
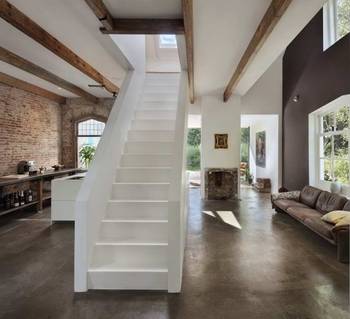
pixel 260 155
pixel 221 141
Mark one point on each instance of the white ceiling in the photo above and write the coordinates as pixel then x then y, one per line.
pixel 144 8
pixel 222 31
pixel 74 24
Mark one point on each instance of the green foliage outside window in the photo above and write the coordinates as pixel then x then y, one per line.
pixel 335 142
pixel 245 141
pixel 193 149
pixel 86 154
pixel 343 13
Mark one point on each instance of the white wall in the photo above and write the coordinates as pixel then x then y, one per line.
pixel 269 124
pixel 219 117
pixel 265 97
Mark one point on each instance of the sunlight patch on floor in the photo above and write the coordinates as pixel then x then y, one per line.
pixel 227 217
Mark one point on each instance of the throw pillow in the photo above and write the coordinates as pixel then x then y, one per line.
pixel 337 217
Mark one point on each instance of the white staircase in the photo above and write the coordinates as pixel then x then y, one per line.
pixel 131 251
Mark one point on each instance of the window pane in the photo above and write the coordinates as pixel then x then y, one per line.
pixel 91 127
pixel 343 18
pixel 341 145
pixel 325 170
pixel 341 171
pixel 167 41
pixel 327 122
pixel 326 146
pixel 86 141
pixel 342 118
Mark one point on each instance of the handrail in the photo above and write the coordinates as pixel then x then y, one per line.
pixel 177 192
pixel 97 186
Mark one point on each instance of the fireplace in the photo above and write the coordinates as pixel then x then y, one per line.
pixel 221 183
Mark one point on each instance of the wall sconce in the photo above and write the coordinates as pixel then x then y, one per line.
pixel 296 98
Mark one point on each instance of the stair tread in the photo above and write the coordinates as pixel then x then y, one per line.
pixel 160 221
pixel 130 244
pixel 138 201
pixel 142 183
pixel 117 269
pixel 145 167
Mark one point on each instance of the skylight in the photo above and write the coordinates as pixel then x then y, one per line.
pixel 167 41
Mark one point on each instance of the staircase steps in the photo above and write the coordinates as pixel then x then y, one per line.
pixel 143 174
pixel 131 251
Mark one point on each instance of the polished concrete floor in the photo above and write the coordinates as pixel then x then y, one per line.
pixel 272 267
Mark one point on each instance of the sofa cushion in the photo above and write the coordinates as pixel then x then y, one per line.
pixel 309 195
pixel 347 206
pixel 328 202
pixel 319 226
pixel 302 213
pixel 285 203
pixel 336 216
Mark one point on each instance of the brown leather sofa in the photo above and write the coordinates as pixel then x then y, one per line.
pixel 308 206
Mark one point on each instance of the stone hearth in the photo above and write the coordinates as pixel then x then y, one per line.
pixel 221 183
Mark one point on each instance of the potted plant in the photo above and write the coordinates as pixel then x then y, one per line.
pixel 86 154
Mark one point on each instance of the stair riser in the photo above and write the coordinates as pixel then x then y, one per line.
pixel 132 160
pixel 167 89
pixel 134 232
pixel 162 106
pixel 164 82
pixel 130 256
pixel 128 280
pixel 140 192
pixel 159 96
pixel 155 115
pixel 153 125
pixel 149 147
pixel 151 136
pixel 138 210
pixel 143 175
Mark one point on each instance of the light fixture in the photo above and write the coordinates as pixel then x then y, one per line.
pixel 296 98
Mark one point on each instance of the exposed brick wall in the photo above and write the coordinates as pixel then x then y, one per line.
pixel 74 111
pixel 30 129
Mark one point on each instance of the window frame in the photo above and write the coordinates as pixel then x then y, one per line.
pixel 334 132
pixel 77 135
pixel 330 24
pixel 166 46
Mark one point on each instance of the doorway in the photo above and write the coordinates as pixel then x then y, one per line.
pixel 194 150
pixel 259 167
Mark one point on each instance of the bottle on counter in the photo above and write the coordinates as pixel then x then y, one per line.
pixel 22 199
pixel 16 200
pixel 29 196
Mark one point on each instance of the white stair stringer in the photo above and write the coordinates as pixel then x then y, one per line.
pixel 131 251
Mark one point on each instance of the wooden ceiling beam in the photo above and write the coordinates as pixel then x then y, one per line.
pixel 27 66
pixel 25 86
pixel 187 9
pixel 23 23
pixel 273 14
pixel 102 14
pixel 146 26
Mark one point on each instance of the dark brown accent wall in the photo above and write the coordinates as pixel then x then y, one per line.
pixel 318 77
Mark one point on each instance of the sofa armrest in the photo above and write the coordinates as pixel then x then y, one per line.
pixel 286 195
pixel 342 238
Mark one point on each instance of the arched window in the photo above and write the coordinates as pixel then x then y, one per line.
pixel 89 133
